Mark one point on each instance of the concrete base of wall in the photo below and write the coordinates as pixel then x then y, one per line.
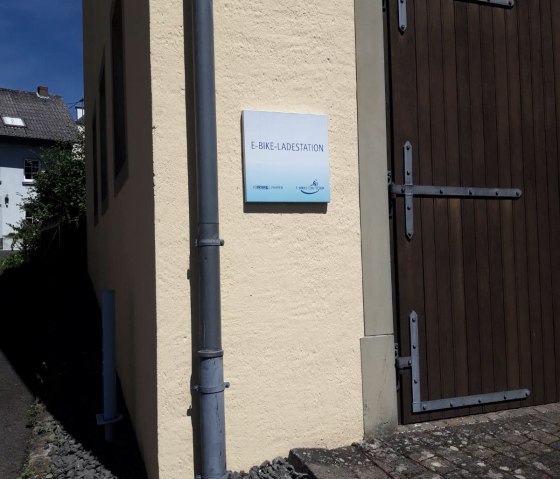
pixel 379 385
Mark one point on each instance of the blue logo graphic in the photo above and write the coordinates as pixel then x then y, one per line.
pixel 311 189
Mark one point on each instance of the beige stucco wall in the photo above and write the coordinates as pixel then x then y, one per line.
pixel 291 275
pixel 292 293
pixel 121 244
pixel 293 301
pixel 173 239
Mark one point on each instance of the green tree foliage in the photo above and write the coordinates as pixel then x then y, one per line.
pixel 57 196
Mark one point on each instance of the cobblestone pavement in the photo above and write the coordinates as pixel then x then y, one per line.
pixel 520 443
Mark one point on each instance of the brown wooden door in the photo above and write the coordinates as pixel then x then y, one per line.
pixel 475 88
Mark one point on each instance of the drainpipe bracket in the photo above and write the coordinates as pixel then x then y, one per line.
pixel 218 388
pixel 225 476
pixel 210 353
pixel 208 242
pixel 101 421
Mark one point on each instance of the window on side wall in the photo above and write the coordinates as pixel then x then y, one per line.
pixel 102 119
pixel 120 153
pixel 30 169
pixel 94 153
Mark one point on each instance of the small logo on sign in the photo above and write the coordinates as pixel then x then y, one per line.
pixel 311 189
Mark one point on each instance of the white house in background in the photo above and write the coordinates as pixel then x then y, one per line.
pixel 29 121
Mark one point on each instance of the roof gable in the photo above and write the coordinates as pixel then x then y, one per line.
pixel 43 117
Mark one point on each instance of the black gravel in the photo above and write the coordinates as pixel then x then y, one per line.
pixel 55 348
pixel 70 459
pixel 279 468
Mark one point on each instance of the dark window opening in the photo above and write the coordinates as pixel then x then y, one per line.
pixel 94 153
pixel 103 143
pixel 30 169
pixel 120 151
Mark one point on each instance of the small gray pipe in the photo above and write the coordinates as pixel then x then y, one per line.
pixel 110 414
pixel 211 378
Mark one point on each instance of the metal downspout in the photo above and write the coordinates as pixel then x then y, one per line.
pixel 211 378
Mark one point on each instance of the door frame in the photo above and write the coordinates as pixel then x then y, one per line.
pixel 380 408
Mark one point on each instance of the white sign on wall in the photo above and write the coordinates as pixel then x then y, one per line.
pixel 286 157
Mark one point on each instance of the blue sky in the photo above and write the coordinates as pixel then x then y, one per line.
pixel 41 44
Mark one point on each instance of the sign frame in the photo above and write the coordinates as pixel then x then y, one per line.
pixel 285 157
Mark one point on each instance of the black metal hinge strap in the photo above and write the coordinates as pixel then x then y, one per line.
pixel 409 190
pixel 413 362
pixel 403 21
pixel 456 192
pixel 499 3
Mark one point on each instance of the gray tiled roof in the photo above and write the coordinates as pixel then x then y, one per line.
pixel 46 118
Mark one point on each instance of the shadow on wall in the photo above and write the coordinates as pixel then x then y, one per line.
pixel 51 334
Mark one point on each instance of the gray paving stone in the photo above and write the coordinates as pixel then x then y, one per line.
pixel 555 470
pixel 483 452
pixel 516 438
pixel 551 459
pixel 536 447
pixel 542 436
pixel 504 463
pixel 439 465
pixel 555 445
pixel 522 444
pixel 425 475
pixel 459 474
pixel 496 474
pixel 528 458
pixel 406 469
pixel 508 449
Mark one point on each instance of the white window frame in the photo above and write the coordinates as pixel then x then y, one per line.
pixel 30 181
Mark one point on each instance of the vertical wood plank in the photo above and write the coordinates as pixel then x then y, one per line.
pixel 550 293
pixel 522 331
pixel 429 326
pixel 480 84
pixel 520 152
pixel 555 187
pixel 472 333
pixel 408 256
pixel 505 343
pixel 529 198
pixel 441 223
pixel 540 193
pixel 453 24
